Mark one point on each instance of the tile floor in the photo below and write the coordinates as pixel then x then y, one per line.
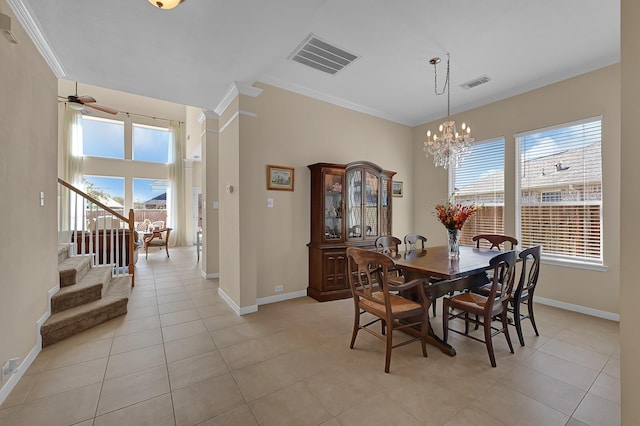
pixel 181 356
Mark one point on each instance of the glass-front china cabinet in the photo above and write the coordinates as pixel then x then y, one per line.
pixel 350 205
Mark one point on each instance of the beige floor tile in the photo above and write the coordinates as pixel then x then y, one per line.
pixel 552 392
pixel 613 367
pixel 189 346
pixel 338 391
pixel 473 417
pixel 209 311
pixel 602 343
pixel 530 411
pixel 182 305
pixel 67 378
pixel 141 324
pixel 246 353
pixel 561 369
pixel 594 410
pixel 294 406
pixel 205 400
pixel 135 360
pixel 69 355
pixel 331 422
pixel 307 362
pixel 238 416
pixel 40 363
pixel 7 414
pixel 218 322
pixel 376 410
pixel 171 290
pixel 156 411
pixel 136 313
pixel 179 317
pixel 182 330
pixel 263 378
pixel 20 391
pixel 99 332
pixel 575 422
pixel 129 342
pixel 575 354
pixel 127 390
pixel 64 408
pixel 196 369
pixel 233 335
pixel 172 298
pixel 607 387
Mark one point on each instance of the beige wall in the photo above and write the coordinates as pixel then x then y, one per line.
pixel 28 158
pixel 589 95
pixel 629 208
pixel 295 131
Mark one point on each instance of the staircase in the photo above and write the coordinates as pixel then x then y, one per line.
pixel 88 296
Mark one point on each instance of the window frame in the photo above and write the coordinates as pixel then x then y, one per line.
pixel 105 120
pixel 597 264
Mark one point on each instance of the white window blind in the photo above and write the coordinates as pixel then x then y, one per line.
pixel 480 179
pixel 560 191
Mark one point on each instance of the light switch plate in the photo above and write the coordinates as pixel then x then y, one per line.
pixel 270 202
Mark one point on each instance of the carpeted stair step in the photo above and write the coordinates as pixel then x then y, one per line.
pixel 63 251
pixel 72 269
pixel 89 288
pixel 71 321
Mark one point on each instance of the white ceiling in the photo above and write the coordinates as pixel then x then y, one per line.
pixel 192 54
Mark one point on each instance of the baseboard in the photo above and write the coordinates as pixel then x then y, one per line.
pixel 208 276
pixel 33 353
pixel 280 297
pixel 577 308
pixel 237 309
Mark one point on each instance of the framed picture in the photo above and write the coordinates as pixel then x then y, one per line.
pixel 396 188
pixel 279 178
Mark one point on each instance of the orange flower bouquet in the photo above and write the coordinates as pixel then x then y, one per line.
pixel 453 216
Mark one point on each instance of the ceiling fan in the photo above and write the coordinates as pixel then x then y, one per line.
pixel 80 102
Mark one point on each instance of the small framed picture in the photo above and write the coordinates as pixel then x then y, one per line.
pixel 279 178
pixel 396 188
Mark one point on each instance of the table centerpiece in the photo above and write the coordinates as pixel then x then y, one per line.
pixel 453 216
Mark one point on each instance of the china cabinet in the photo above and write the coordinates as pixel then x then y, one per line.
pixel 350 206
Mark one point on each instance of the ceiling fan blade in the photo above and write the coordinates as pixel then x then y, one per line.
pixel 102 108
pixel 85 99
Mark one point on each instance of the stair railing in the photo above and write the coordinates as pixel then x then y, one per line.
pixel 90 227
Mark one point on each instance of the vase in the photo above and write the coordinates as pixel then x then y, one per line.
pixel 454 243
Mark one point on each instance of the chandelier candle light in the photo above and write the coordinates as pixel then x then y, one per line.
pixel 448 146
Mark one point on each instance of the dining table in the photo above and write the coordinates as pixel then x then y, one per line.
pixel 446 275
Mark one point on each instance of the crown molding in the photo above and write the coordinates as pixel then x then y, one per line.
pixel 207 115
pixel 248 90
pixel 230 95
pixel 301 90
pixel 31 25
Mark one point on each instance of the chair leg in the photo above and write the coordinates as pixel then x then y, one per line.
pixel 533 320
pixel 387 361
pixel 146 252
pixel 356 326
pixel 518 322
pixel 466 323
pixel 425 332
pixel 505 327
pixel 433 307
pixel 488 341
pixel 167 248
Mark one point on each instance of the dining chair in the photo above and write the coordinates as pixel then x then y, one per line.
pixel 390 246
pixel 523 294
pixel 374 294
pixel 158 238
pixel 411 241
pixel 484 308
pixel 495 241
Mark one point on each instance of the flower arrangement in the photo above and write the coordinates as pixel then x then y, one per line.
pixel 454 215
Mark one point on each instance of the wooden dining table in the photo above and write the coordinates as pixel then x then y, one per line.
pixel 466 272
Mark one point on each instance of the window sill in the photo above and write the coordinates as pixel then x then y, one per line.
pixel 575 264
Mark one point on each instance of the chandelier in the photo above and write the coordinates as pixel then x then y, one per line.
pixel 447 146
pixel 166 4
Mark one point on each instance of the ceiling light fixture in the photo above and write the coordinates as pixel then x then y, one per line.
pixel 166 4
pixel 448 146
pixel 75 105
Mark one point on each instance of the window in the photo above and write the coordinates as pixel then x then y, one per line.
pixel 150 199
pixel 560 191
pixel 102 137
pixel 150 144
pixel 480 179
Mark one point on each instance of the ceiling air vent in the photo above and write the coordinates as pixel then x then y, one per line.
pixel 475 82
pixel 321 55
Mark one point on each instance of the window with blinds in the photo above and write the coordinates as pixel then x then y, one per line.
pixel 480 179
pixel 560 191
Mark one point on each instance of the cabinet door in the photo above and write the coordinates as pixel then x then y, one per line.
pixel 354 204
pixel 385 206
pixel 334 267
pixel 333 205
pixel 370 204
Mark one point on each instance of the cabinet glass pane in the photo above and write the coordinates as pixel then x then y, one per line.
pixel 333 206
pixel 354 204
pixel 371 204
pixel 385 219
